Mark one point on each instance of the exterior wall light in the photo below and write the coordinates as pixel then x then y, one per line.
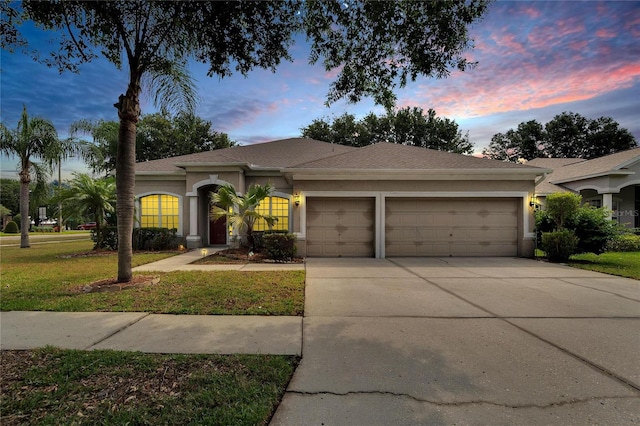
pixel 296 198
pixel 534 202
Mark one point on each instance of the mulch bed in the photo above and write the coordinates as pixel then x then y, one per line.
pixel 239 256
pixel 112 284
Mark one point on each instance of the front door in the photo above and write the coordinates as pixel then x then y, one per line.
pixel 218 231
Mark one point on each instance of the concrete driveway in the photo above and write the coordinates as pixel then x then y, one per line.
pixel 465 341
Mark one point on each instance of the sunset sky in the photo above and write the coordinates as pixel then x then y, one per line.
pixel 535 60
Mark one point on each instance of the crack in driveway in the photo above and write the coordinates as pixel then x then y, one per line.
pixel 466 403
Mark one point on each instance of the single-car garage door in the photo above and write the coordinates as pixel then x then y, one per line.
pixel 451 227
pixel 340 227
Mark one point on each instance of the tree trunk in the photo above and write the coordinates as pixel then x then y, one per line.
pixel 129 112
pixel 24 209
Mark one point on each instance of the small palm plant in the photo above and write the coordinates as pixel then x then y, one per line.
pixel 240 210
pixel 86 196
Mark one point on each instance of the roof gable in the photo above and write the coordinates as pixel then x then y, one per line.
pixel 273 155
pixel 573 169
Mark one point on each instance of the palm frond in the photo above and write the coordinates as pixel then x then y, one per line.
pixel 171 86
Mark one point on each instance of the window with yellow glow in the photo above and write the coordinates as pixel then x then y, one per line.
pixel 159 211
pixel 277 207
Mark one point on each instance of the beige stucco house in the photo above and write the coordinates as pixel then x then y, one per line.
pixel 381 200
pixel 612 181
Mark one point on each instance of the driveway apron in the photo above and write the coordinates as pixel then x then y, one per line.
pixel 413 341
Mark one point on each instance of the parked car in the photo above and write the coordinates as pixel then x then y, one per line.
pixel 87 226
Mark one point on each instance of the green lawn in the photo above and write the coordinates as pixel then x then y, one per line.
pixel 52 386
pixel 50 277
pixel 625 264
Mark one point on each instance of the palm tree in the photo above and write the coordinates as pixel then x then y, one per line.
pixel 241 209
pixel 34 138
pixel 102 157
pixel 88 196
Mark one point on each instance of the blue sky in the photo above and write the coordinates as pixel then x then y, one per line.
pixel 535 60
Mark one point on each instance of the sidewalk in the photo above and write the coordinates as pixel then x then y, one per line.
pixel 153 333
pixel 140 331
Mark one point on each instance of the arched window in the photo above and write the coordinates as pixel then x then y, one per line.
pixel 273 206
pixel 160 211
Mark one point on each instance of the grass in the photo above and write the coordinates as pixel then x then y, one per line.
pixel 624 264
pixel 50 277
pixel 52 386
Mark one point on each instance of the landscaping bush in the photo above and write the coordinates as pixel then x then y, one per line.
pixel 43 229
pixel 624 242
pixel 11 228
pixel 593 227
pixel 108 238
pixel 559 245
pixel 17 220
pixel 153 239
pixel 279 247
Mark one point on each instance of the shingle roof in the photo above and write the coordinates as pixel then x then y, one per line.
pixel 570 169
pixel 300 153
pixel 386 156
pixel 277 154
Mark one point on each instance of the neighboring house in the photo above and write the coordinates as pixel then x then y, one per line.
pixel 612 181
pixel 381 200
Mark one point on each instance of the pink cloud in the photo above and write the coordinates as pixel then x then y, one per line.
pixel 605 33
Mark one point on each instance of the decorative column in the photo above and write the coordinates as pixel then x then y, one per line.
pixel 194 240
pixel 607 203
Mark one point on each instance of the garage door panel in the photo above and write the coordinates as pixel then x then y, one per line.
pixel 340 227
pixel 444 227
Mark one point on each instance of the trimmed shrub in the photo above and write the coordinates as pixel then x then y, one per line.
pixel 593 227
pixel 624 242
pixel 560 206
pixel 559 245
pixel 11 228
pixel 43 229
pixel 17 220
pixel 155 239
pixel 279 247
pixel 544 223
pixel 108 238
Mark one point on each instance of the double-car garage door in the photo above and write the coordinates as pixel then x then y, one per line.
pixel 413 227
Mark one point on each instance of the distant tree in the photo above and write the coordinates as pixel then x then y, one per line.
pixel 33 139
pixel 10 195
pixel 162 136
pixel 4 212
pixel 88 197
pixel 407 126
pixel 567 135
pixel 158 135
pixel 375 46
pixel 527 142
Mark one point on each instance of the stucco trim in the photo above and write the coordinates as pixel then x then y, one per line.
pixel 213 180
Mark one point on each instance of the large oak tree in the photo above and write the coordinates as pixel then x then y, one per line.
pixel 407 126
pixel 374 45
pixel 567 135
